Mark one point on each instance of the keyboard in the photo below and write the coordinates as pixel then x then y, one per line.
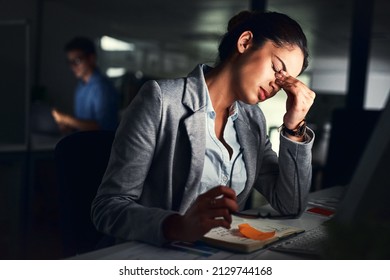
pixel 310 242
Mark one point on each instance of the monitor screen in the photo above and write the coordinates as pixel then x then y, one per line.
pixel 361 227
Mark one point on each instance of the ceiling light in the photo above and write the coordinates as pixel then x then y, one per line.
pixel 111 44
pixel 115 72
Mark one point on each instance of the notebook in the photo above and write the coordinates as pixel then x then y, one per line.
pixel 232 239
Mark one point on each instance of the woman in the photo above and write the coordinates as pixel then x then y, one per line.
pixel 188 151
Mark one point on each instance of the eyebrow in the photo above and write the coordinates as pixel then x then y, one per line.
pixel 281 61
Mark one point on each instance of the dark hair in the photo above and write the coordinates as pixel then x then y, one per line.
pixel 277 27
pixel 81 43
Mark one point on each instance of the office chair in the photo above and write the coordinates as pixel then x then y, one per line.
pixel 81 159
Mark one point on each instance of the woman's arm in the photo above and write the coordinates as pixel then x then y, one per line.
pixel 285 181
pixel 115 210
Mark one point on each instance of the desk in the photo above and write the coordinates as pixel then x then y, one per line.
pixel 142 251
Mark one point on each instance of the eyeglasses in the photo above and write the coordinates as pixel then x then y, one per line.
pixel 76 61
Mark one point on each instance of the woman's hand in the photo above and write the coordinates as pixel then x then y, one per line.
pixel 211 209
pixel 299 99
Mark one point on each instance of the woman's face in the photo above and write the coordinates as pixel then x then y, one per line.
pixel 254 70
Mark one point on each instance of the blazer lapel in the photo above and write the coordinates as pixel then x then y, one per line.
pixel 250 145
pixel 195 99
pixel 196 134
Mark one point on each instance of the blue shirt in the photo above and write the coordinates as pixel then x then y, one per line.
pixel 97 100
pixel 218 165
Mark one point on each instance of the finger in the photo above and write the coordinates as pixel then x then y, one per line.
pixel 220 213
pixel 219 223
pixel 224 202
pixel 286 81
pixel 221 190
pixel 282 75
pixel 289 84
pixel 298 89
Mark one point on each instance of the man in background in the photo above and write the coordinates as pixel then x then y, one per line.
pixel 96 100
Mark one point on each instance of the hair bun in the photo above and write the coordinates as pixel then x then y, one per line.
pixel 238 19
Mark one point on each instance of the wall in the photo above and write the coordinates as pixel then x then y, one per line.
pixel 20 10
pixel 12 155
pixel 330 75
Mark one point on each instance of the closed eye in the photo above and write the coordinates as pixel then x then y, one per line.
pixel 284 68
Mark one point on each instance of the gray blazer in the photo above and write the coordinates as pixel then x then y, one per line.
pixel 157 158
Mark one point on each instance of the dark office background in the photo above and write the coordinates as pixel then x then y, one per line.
pixel 349 68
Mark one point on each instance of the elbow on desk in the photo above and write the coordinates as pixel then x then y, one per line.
pixel 98 215
pixel 289 211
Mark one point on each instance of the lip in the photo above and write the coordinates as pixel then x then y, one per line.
pixel 263 94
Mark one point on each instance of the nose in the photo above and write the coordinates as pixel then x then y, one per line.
pixel 274 87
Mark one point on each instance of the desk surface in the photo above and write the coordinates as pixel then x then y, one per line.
pixel 143 251
pixel 38 142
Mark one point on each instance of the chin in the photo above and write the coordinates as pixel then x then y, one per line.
pixel 252 101
pixel 250 98
pixel 78 75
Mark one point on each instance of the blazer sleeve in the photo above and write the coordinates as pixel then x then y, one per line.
pixel 115 209
pixel 285 181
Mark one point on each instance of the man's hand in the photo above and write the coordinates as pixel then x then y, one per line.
pixel 61 120
pixel 67 122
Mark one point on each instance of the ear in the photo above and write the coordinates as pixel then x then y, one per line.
pixel 244 41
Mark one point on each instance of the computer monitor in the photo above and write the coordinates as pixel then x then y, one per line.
pixel 361 226
pixel 42 121
pixel 346 145
pixel 369 190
